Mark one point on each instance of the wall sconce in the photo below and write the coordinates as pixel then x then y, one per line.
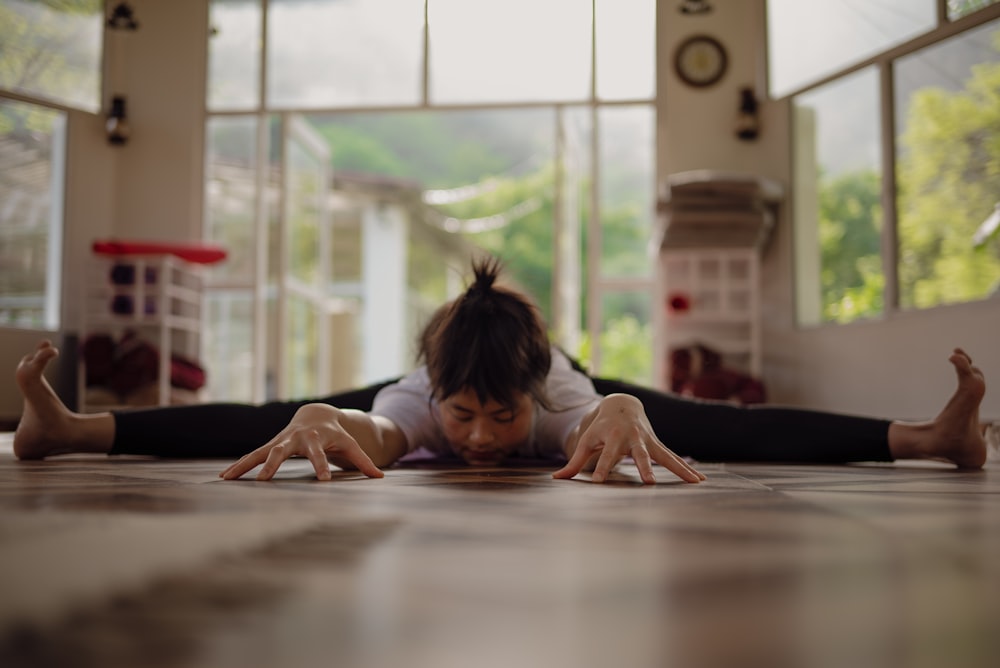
pixel 122 17
pixel 747 118
pixel 117 123
pixel 695 7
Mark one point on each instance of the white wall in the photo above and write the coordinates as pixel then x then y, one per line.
pixel 162 73
pixel 385 236
pixel 151 188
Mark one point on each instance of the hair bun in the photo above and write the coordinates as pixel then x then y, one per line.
pixel 485 271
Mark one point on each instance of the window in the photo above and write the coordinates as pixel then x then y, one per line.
pixel 50 55
pixel 948 168
pixel 231 221
pixel 346 53
pixel 234 55
pixel 896 176
pixel 32 143
pixel 52 51
pixel 517 50
pixel 811 39
pixel 838 211
pixel 625 49
pixel 959 8
pixel 452 126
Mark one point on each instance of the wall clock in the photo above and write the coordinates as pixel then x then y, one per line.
pixel 700 61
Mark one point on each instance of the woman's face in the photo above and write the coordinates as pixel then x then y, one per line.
pixel 484 434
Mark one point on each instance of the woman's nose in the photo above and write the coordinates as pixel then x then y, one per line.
pixel 480 433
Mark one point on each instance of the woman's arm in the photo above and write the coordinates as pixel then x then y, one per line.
pixel 617 427
pixel 322 434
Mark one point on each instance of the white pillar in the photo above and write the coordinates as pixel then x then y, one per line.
pixel 384 243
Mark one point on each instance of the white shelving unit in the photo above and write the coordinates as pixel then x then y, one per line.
pixel 711 297
pixel 713 229
pixel 157 296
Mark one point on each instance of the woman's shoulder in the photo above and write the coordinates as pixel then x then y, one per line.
pixel 414 383
pixel 564 363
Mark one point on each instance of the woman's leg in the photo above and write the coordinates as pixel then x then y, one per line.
pixel 956 435
pixel 721 431
pixel 48 427
pixel 216 430
pixel 717 431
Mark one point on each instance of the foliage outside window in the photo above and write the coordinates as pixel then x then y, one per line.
pixel 838 214
pixel 516 145
pixel 230 219
pixel 52 50
pixel 959 8
pixel 946 160
pixel 948 169
pixel 32 143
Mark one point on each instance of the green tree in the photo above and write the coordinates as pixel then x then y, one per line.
pixel 850 244
pixel 46 49
pixel 626 350
pixel 503 149
pixel 949 182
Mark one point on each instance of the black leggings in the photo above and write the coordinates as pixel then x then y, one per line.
pixel 703 430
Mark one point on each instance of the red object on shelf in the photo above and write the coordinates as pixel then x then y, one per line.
pixel 679 302
pixel 199 253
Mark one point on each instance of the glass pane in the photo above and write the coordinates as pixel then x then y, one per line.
pixel 574 198
pixel 435 266
pixel 230 198
pixel 948 169
pixel 228 345
pixel 512 51
pixel 32 146
pixel 340 53
pixel 627 173
pixel 304 216
pixel 838 213
pixel 626 339
pixel 53 50
pixel 305 278
pixel 809 39
pixel 346 262
pixel 959 8
pixel 234 54
pixel 487 173
pixel 301 354
pixel 626 49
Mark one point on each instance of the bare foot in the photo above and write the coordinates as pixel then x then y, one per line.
pixel 47 426
pixel 955 435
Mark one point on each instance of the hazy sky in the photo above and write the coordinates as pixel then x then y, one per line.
pixel 811 38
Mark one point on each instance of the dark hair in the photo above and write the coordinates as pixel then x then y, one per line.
pixel 491 340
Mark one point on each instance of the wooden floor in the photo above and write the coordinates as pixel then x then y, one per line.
pixel 134 562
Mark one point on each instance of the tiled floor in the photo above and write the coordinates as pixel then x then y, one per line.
pixel 133 562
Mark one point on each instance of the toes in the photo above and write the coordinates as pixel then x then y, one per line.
pixel 961 361
pixel 42 354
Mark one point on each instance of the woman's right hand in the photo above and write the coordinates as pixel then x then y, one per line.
pixel 316 433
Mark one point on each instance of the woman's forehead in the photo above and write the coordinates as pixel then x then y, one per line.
pixel 468 398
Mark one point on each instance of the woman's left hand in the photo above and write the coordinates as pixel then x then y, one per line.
pixel 618 427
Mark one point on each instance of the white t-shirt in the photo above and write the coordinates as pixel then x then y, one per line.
pixel 410 406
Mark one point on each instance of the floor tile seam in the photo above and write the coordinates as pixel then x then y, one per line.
pixel 909 493
pixel 758 485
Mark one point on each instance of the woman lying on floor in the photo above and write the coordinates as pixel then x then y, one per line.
pixel 493 387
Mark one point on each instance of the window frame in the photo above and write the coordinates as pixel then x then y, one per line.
pixel 883 62
pixel 599 286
